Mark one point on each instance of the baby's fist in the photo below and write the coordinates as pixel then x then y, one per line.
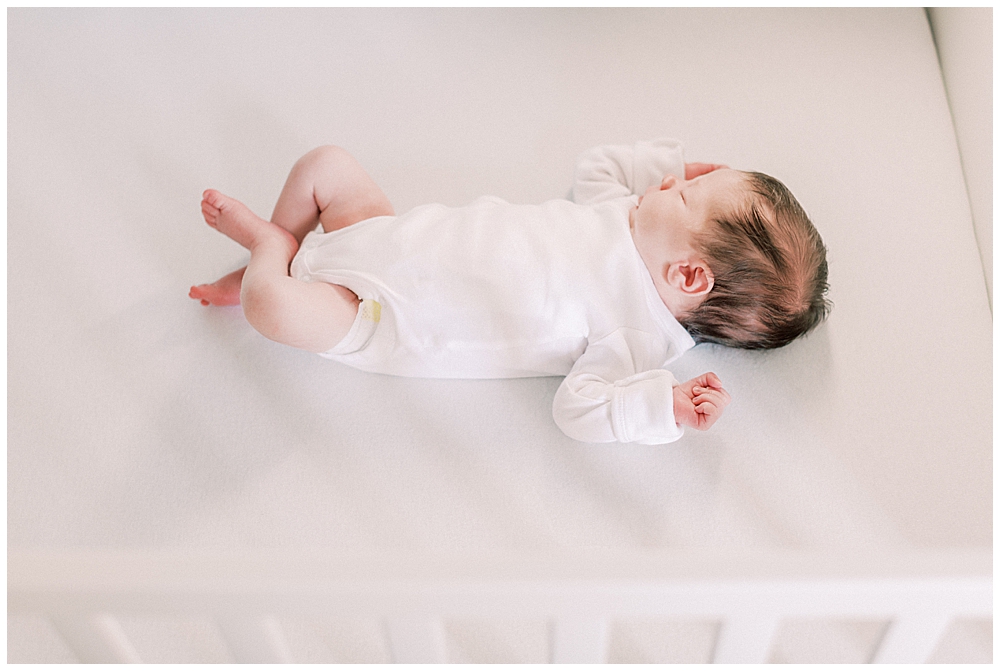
pixel 698 403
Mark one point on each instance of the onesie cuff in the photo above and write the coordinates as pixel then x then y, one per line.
pixel 643 409
pixel 655 159
pixel 362 330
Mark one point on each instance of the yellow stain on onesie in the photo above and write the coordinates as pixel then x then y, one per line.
pixel 371 311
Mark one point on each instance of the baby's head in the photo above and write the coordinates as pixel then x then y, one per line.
pixel 769 268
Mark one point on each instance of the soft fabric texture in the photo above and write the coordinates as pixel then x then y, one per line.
pixel 964 39
pixel 495 290
pixel 139 420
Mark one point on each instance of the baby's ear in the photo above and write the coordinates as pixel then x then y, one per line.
pixel 692 277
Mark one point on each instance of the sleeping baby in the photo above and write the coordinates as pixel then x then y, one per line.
pixel 652 256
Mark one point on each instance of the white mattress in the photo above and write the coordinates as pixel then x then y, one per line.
pixel 139 419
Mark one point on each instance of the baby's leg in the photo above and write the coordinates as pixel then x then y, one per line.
pixel 310 316
pixel 326 186
pixel 223 291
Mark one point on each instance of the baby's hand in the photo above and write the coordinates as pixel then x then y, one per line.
pixel 699 402
pixel 692 170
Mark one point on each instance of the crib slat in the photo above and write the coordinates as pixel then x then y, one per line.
pixel 417 641
pixel 911 639
pixel 255 640
pixel 745 639
pixel 96 639
pixel 579 641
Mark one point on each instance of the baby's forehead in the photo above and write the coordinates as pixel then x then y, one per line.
pixel 738 180
pixel 732 190
pixel 726 179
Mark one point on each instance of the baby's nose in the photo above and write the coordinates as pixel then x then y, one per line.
pixel 668 182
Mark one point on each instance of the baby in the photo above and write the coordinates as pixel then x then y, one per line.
pixel 652 256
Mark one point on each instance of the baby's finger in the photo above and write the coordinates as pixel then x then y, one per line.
pixel 707 416
pixel 717 392
pixel 710 380
pixel 723 395
pixel 718 397
pixel 706 407
pixel 692 170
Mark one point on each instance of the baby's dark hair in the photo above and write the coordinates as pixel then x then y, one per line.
pixel 770 271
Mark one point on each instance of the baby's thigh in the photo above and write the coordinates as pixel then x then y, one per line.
pixel 344 191
pixel 325 315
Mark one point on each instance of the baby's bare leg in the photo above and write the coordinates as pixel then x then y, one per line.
pixel 223 291
pixel 310 316
pixel 326 186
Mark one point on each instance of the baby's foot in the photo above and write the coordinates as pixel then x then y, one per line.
pixel 224 291
pixel 235 219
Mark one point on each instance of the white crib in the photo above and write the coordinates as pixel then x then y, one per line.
pixel 920 594
pixel 181 490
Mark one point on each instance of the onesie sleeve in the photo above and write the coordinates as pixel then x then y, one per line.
pixel 612 394
pixel 616 171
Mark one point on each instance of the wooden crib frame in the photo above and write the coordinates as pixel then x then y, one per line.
pixel 81 592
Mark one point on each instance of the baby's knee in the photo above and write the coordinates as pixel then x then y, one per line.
pixel 324 156
pixel 313 316
pixel 265 308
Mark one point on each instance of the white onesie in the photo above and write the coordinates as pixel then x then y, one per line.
pixel 495 290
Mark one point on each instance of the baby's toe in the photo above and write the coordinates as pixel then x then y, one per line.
pixel 215 199
pixel 210 213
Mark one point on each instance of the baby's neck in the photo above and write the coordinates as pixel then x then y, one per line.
pixel 678 303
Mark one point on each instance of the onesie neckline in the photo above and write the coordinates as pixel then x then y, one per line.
pixel 661 314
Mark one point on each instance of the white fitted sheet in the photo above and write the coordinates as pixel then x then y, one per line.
pixel 139 419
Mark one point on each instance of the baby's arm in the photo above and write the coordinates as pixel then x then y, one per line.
pixel 698 403
pixel 616 392
pixel 617 171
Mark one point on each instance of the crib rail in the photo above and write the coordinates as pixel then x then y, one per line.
pixel 82 593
